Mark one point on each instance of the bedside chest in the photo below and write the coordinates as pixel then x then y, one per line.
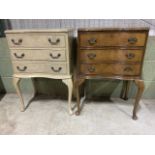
pixel 111 54
pixel 41 53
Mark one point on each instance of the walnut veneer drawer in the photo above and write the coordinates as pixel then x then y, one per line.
pixel 37 54
pixel 108 55
pixel 36 40
pixel 110 69
pixel 39 67
pixel 112 38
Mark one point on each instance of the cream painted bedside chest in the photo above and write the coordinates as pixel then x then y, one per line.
pixel 41 53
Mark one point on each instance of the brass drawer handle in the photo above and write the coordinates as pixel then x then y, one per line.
pixel 22 69
pixel 92 41
pixel 54 42
pixel 132 40
pixel 55 57
pixel 18 42
pixel 19 56
pixel 91 69
pixel 91 55
pixel 128 69
pixel 130 55
pixel 56 70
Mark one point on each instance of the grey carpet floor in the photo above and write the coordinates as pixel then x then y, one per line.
pixel 46 116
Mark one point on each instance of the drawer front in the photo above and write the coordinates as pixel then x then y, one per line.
pixel 110 69
pixel 116 38
pixel 39 67
pixel 51 55
pixel 97 56
pixel 36 40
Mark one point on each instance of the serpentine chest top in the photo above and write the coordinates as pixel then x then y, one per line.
pixel 41 53
pixel 111 53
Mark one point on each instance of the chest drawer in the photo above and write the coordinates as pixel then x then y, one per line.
pixel 107 55
pixel 110 69
pixel 112 38
pixel 39 67
pixel 35 54
pixel 36 40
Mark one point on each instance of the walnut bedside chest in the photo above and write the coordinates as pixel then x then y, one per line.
pixel 41 53
pixel 111 54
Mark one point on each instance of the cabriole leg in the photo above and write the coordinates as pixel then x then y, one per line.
pixel 140 85
pixel 125 90
pixel 16 82
pixel 78 83
pixel 69 84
